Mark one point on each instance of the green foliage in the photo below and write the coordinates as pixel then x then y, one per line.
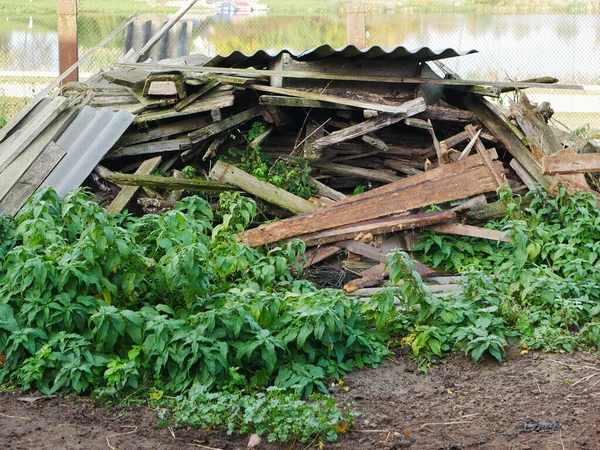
pixel 3 121
pixel 293 177
pixel 280 415
pixel 540 290
pixel 95 302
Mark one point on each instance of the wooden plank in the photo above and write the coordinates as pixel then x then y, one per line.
pixel 446 114
pixel 226 173
pixel 42 94
pixel 31 179
pixel 352 77
pixel 522 173
pixel 513 144
pixel 128 192
pixel 377 274
pixel 162 131
pixel 327 191
pixel 318 254
pixel 454 181
pixel 224 125
pixel 408 108
pixel 470 145
pixel 471 231
pixel 374 141
pixel 365 127
pixel 154 181
pixel 377 226
pixel 196 95
pixel 67 38
pixel 12 148
pixel 258 140
pixel 571 163
pixel 170 145
pixel 295 102
pixel 142 52
pixel 21 163
pixel 213 148
pixel 541 138
pixel 207 104
pixel 484 153
pixel 342 169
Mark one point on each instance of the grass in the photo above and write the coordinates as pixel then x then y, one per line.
pixel 40 7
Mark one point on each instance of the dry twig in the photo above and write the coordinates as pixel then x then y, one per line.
pixel 15 417
pixel 112 447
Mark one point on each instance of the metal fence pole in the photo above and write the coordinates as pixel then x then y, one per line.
pixel 67 37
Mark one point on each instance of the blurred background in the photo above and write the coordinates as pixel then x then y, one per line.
pixel 516 40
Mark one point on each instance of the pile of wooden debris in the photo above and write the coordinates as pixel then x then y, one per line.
pixel 377 121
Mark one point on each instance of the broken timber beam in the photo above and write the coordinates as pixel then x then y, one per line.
pixel 370 174
pixel 377 226
pixel 169 145
pixel 513 144
pixel 226 173
pixel 484 153
pixel 454 181
pixel 207 104
pixel 128 192
pixel 154 181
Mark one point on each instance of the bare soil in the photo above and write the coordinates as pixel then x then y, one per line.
pixel 533 401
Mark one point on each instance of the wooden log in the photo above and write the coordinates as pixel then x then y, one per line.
pixel 512 143
pixel 128 192
pixel 207 104
pixel 377 226
pixel 342 169
pixel 154 181
pixel 571 163
pixel 156 203
pixel 408 108
pixel 226 173
pixel 224 125
pixel 31 179
pixel 13 147
pixel 540 137
pixel 454 181
pixel 471 231
pixel 362 128
pixel 169 145
pixel 42 94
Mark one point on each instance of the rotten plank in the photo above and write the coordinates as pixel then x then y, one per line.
pixel 210 85
pixel 318 254
pixel 224 125
pixel 484 153
pixel 571 163
pixel 207 104
pixel 370 174
pixel 154 181
pixel 165 130
pixel 226 173
pixel 454 181
pixel 170 145
pixel 128 192
pixel 377 226
pixel 327 191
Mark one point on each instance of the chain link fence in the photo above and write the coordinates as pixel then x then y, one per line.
pixel 559 41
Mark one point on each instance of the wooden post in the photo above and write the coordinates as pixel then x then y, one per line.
pixel 356 32
pixel 67 38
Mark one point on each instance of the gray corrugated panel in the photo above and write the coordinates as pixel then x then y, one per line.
pixel 262 57
pixel 91 135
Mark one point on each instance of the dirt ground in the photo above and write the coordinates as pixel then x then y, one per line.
pixel 533 401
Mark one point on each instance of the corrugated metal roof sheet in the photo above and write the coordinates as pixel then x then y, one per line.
pixel 91 135
pixel 262 57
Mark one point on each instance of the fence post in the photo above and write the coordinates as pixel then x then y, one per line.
pixel 67 37
pixel 356 32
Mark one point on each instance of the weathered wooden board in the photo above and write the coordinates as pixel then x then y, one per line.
pixel 571 163
pixel 18 142
pixel 224 125
pixel 370 174
pixel 207 104
pixel 471 231
pixel 226 173
pixel 154 181
pixel 128 192
pixel 377 226
pixel 162 131
pixel 31 179
pixel 169 145
pixel 454 181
